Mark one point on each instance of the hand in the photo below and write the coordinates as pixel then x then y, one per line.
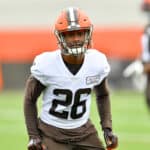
pixel 36 144
pixel 110 139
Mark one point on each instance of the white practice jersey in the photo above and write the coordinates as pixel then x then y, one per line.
pixel 145 49
pixel 67 97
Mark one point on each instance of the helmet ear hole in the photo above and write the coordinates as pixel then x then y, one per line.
pixel 73 19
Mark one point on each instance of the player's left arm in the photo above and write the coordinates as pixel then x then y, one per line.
pixel 104 109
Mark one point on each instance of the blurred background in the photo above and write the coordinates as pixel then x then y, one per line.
pixel 26 30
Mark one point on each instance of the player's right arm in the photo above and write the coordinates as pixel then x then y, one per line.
pixel 32 92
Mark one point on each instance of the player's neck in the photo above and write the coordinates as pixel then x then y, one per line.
pixel 73 59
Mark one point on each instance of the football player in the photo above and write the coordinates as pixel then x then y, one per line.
pixel 146 61
pixel 66 77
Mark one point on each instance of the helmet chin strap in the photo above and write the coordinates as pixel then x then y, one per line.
pixel 74 51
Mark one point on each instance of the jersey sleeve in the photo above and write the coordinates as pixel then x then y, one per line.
pixel 37 70
pixel 105 68
pixel 145 49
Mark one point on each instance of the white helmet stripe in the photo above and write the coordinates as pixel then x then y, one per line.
pixel 72 17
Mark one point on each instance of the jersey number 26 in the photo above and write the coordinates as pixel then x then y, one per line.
pixel 68 100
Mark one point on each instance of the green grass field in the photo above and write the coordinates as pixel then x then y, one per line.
pixel 131 120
